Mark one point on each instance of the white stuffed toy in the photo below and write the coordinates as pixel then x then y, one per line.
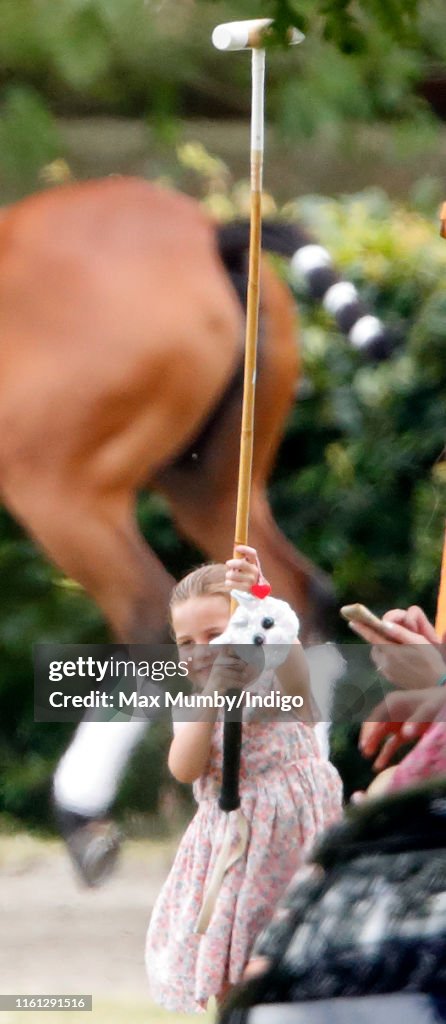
pixel 271 625
pixel 262 622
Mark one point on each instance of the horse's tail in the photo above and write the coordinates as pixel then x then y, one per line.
pixel 312 264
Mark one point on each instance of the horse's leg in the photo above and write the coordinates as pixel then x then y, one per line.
pixel 294 578
pixel 98 544
pixel 94 539
pixel 85 785
pixel 101 547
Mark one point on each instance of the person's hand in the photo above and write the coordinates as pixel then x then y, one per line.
pixel 404 626
pixel 399 719
pixel 258 965
pixel 413 620
pixel 229 672
pixel 243 572
pixel 379 786
pixel 410 658
pixel 416 666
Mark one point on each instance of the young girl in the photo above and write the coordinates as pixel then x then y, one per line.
pixel 289 794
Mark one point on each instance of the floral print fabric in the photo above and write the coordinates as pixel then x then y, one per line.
pixel 289 795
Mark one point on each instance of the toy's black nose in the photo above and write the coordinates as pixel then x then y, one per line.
pixel 267 623
pixel 259 639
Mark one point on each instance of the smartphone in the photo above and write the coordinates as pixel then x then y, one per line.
pixel 359 613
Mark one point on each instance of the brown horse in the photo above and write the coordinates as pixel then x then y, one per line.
pixel 120 368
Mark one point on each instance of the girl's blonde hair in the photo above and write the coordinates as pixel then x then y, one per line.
pixel 207 580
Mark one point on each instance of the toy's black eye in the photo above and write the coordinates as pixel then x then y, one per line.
pixel 267 623
pixel 259 639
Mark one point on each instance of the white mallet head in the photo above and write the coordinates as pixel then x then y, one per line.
pixel 244 35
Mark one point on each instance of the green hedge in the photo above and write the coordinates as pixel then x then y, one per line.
pixel 361 482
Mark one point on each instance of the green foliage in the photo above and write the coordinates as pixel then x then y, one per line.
pixel 361 485
pixel 340 21
pixel 359 61
pixel 369 438
pixel 34 606
pixel 28 136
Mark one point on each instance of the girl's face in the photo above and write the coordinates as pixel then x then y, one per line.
pixel 196 622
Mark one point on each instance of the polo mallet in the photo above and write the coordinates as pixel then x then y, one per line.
pixel 243 35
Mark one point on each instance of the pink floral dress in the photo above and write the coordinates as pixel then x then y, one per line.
pixel 289 794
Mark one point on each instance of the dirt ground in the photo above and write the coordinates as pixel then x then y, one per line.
pixel 58 937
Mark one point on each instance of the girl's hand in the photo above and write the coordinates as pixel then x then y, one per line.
pixel 243 572
pixel 228 672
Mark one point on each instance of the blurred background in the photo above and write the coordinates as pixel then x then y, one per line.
pixel 356 150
